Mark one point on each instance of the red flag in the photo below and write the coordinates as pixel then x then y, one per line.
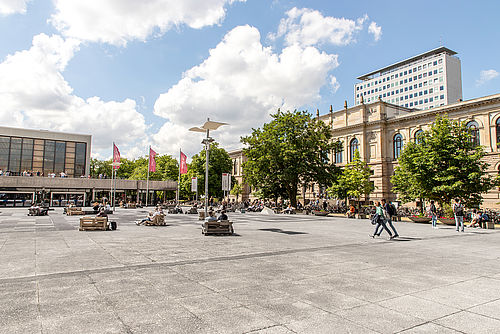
pixel 183 167
pixel 152 161
pixel 116 156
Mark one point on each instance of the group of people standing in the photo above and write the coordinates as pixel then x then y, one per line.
pixel 383 217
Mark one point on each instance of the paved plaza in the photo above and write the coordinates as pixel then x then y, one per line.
pixel 277 274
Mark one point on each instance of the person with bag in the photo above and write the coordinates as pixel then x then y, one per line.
pixel 389 211
pixel 433 214
pixel 458 211
pixel 380 221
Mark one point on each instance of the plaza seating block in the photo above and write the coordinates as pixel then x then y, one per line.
pixel 72 211
pixel 158 220
pixel 93 223
pixel 488 225
pixel 217 227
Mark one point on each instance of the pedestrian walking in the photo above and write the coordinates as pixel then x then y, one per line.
pixel 433 214
pixel 380 224
pixel 458 211
pixel 390 210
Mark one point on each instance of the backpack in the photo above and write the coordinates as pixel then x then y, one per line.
pixel 459 210
pixel 392 210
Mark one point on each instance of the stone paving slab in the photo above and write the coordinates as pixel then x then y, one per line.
pixel 277 274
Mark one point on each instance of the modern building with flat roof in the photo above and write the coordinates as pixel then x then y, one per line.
pixel 44 152
pixel 425 81
pixel 28 157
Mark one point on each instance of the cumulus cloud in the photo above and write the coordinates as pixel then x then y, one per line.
pixel 8 7
pixel 375 30
pixel 485 76
pixel 334 84
pixel 307 27
pixel 34 94
pixel 119 21
pixel 240 83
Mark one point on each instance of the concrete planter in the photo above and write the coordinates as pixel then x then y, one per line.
pixel 320 213
pixel 423 220
pixel 447 221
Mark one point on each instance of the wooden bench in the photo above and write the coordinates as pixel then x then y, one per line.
pixel 93 223
pixel 36 212
pixel 201 215
pixel 72 211
pixel 488 225
pixel 217 227
pixel 158 220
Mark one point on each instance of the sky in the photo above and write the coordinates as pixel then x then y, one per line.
pixel 141 73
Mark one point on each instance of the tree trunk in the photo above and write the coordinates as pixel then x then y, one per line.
pixel 292 194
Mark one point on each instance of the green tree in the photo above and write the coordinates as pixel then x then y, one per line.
pixel 444 164
pixel 102 167
pixel 167 168
pixel 354 181
pixel 237 190
pixel 219 162
pixel 290 150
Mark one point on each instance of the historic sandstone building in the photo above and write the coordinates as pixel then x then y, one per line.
pixel 380 130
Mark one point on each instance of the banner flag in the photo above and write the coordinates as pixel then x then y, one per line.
pixel 183 168
pixel 116 157
pixel 194 184
pixel 152 160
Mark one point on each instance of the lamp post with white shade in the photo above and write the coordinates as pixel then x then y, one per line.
pixel 209 125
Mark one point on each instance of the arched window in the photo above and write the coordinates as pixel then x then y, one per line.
pixel 353 147
pixel 398 145
pixel 498 131
pixel 474 132
pixel 417 135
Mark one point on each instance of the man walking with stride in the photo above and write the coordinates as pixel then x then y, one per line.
pixel 390 210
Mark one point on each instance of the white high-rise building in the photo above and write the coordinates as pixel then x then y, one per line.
pixel 425 81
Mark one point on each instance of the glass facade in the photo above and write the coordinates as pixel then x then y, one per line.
pixel 20 154
pixel 80 156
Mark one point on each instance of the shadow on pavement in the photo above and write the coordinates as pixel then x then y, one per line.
pixel 278 230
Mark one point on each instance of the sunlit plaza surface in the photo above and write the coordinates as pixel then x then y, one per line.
pixel 277 274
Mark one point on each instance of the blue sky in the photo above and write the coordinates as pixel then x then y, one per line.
pixel 141 73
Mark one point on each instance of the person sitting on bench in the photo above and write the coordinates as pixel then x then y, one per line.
pixel 211 217
pixel 102 213
pixel 150 217
pixel 222 216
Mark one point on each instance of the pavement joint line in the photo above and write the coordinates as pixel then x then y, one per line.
pixel 127 328
pixel 432 322
pixel 268 327
pixel 208 260
pixel 183 262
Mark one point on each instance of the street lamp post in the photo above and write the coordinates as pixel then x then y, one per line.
pixel 205 128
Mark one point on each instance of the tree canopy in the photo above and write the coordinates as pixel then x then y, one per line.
pixel 354 180
pixel 290 150
pixel 218 162
pixel 443 164
pixel 166 168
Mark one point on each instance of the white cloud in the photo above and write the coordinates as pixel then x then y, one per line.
pixel 376 30
pixel 335 84
pixel 240 83
pixel 307 27
pixel 8 7
pixel 485 76
pixel 34 94
pixel 119 21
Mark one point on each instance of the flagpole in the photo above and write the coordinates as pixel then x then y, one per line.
pixel 179 178
pixel 147 180
pixel 112 174
pixel 114 192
